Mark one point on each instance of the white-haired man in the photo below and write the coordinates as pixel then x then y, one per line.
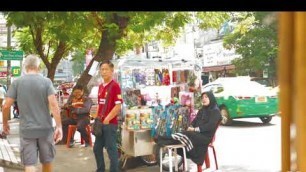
pixel 34 94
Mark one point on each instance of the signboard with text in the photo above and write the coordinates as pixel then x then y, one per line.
pixel 16 71
pixel 11 55
pixel 215 54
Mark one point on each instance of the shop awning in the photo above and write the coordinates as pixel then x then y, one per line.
pixel 218 68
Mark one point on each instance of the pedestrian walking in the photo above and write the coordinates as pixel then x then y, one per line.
pixel 35 96
pixel 109 106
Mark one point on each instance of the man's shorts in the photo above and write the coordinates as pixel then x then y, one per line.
pixel 30 148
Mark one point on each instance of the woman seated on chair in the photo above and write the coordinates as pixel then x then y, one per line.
pixel 200 133
pixel 78 114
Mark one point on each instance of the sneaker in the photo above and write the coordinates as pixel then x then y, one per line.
pixel 71 144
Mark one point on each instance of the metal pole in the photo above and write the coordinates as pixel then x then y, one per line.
pixel 8 61
pixel 147 50
pixel 8 73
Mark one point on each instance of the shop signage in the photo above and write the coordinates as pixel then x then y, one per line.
pixel 3 74
pixel 16 71
pixel 215 54
pixel 11 55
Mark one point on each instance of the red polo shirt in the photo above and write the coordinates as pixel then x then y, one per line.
pixel 113 99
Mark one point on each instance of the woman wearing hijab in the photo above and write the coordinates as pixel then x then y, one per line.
pixel 200 133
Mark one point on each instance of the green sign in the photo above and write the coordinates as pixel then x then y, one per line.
pixel 11 55
pixel 16 71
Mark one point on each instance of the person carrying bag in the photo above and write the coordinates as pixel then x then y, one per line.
pixel 97 125
pixel 110 98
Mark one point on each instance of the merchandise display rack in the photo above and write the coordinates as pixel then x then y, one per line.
pixel 146 84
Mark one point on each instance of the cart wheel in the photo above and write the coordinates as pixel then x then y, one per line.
pixel 149 159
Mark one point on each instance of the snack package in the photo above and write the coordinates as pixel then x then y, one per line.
pixel 132 119
pixel 145 118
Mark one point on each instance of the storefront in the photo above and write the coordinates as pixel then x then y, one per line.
pixel 217 61
pixel 211 73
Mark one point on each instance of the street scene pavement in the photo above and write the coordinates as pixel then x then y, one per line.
pixel 246 146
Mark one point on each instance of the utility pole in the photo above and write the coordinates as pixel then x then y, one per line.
pixel 147 50
pixel 8 61
pixel 8 73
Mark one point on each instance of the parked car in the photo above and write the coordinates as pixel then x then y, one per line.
pixel 239 97
pixel 275 89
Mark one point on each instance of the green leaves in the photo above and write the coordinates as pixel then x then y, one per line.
pixel 78 59
pixel 209 20
pixel 256 41
pixel 148 26
pixel 54 35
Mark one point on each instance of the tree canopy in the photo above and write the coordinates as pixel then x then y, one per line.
pixel 255 39
pixel 51 35
pixel 54 35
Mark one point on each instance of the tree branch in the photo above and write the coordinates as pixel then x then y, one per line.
pixel 36 32
pixel 49 45
pixel 98 19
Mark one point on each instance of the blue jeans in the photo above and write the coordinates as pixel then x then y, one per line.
pixel 109 141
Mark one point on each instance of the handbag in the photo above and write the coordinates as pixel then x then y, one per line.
pixel 97 125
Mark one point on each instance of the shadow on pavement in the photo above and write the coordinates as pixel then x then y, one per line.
pixel 248 124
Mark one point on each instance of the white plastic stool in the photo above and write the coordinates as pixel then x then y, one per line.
pixel 170 148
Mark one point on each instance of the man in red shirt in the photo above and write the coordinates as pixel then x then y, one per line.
pixel 109 106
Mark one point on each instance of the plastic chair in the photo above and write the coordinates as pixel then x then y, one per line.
pixel 71 131
pixel 170 148
pixel 207 159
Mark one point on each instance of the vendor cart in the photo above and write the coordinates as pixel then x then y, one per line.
pixel 137 143
pixel 146 84
pixel 136 139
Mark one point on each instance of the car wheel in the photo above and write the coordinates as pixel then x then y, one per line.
pixel 266 119
pixel 226 119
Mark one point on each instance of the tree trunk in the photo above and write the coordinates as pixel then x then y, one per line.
pixel 51 73
pixel 105 52
pixel 106 49
pixel 61 49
